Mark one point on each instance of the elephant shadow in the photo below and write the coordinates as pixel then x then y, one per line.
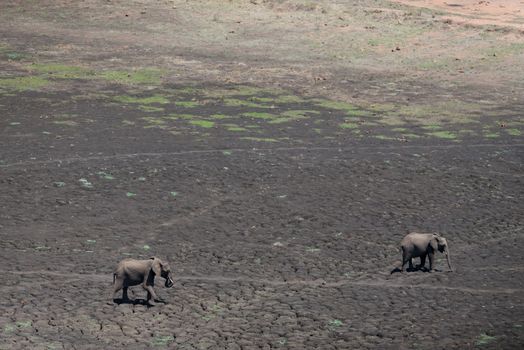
pixel 137 301
pixel 413 269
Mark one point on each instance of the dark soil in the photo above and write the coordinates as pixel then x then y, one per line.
pixel 281 234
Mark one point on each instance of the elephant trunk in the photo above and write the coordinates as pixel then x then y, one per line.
pixel 448 260
pixel 169 282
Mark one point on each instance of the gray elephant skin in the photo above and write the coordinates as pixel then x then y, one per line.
pixel 131 272
pixel 423 245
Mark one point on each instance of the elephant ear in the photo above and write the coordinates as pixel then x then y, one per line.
pixel 433 243
pixel 156 266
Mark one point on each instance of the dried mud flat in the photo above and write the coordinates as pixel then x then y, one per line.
pixel 277 183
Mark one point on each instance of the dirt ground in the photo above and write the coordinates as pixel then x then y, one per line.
pixel 275 152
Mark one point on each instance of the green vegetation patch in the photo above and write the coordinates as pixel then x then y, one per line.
pixel 23 83
pixel 202 123
pixel 65 122
pixel 234 127
pixel 411 136
pixel 335 324
pixel 431 127
pixel 104 175
pixel 492 135
pixel 384 137
pixel 288 99
pixel 484 339
pixel 220 116
pixel 85 183
pixel 162 340
pixel 292 115
pixel 15 56
pixel 149 76
pixel 178 116
pixel 155 99
pixel 150 108
pixel 62 71
pixel 338 105
pixel 153 120
pixel 187 104
pixel 262 99
pixel 348 125
pixel 514 132
pixel 24 324
pixel 260 115
pixel 233 102
pixel 259 139
pixel 252 91
pixel 443 134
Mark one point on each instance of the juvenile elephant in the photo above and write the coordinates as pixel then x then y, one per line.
pixel 421 245
pixel 130 272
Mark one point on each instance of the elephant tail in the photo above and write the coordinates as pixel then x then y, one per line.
pixel 114 277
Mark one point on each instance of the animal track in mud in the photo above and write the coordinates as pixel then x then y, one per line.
pixel 259 281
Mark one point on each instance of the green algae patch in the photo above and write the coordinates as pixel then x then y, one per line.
pixel 62 71
pixel 202 123
pixel 155 99
pixel 23 83
pixel 148 76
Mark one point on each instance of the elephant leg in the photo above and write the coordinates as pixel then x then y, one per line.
pixel 422 261
pixel 119 284
pixel 431 256
pixel 151 295
pixel 404 261
pixel 411 264
pixel 124 294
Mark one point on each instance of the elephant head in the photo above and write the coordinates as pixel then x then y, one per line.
pixel 439 243
pixel 160 268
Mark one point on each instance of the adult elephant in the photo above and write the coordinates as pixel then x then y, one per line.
pixel 423 245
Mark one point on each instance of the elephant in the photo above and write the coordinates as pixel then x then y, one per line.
pixel 131 272
pixel 421 245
